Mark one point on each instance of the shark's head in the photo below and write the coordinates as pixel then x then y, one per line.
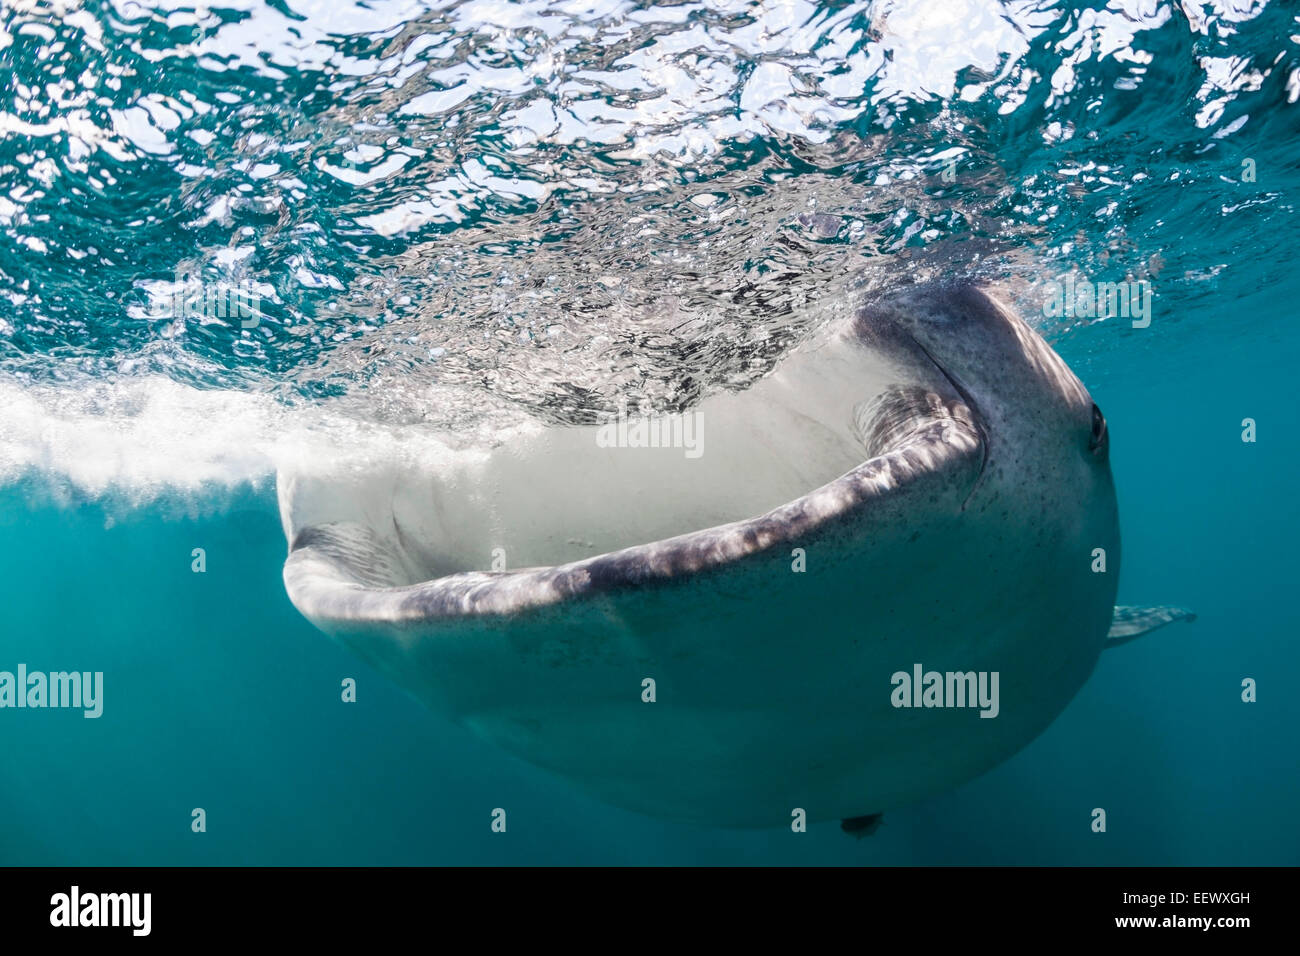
pixel 1015 385
pixel 1040 427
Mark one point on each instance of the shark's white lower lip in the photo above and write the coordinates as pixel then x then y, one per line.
pixel 711 638
pixel 350 572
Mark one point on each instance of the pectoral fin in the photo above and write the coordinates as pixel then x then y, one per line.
pixel 1131 622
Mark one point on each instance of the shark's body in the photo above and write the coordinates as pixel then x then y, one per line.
pixel 715 639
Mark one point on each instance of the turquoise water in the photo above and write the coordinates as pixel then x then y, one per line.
pixel 453 217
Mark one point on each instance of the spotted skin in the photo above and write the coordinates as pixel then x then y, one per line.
pixel 961 540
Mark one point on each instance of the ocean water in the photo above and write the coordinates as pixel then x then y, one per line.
pixel 442 221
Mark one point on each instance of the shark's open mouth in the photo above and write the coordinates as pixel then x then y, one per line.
pixel 638 499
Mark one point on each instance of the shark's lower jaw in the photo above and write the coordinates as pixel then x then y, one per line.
pixel 716 639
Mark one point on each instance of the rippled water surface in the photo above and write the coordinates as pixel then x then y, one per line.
pixel 454 214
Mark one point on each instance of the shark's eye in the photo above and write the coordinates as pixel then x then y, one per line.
pixel 1097 441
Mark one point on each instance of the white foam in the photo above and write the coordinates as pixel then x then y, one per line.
pixel 140 439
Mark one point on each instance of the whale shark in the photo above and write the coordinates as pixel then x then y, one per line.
pixel 719 638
